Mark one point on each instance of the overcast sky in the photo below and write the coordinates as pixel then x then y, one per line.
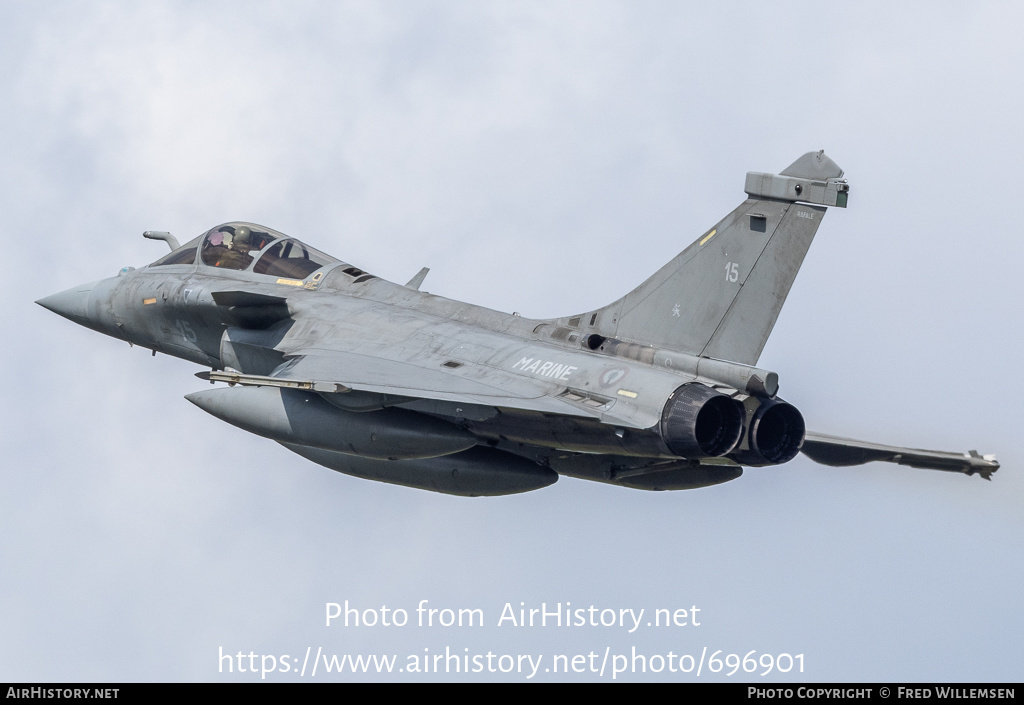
pixel 542 158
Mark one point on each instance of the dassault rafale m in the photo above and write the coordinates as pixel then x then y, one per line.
pixel 657 391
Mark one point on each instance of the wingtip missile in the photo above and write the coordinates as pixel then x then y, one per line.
pixel 983 465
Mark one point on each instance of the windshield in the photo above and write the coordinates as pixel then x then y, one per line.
pixel 186 254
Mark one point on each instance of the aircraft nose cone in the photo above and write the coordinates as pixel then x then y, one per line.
pixel 72 304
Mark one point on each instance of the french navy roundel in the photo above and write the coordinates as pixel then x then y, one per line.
pixel 612 376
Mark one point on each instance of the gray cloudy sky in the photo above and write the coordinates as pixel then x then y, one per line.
pixel 542 158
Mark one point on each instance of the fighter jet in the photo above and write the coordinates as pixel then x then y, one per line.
pixel 658 390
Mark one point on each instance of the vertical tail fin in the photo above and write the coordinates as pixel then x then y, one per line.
pixel 721 296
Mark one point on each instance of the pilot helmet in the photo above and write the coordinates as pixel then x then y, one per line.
pixel 242 238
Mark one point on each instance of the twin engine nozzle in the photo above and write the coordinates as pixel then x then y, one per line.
pixel 699 422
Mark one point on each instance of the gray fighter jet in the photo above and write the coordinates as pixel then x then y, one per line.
pixel 658 390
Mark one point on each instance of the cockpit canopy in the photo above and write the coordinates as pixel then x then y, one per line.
pixel 244 246
pixel 232 246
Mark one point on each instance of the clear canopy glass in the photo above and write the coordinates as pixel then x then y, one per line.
pixel 238 245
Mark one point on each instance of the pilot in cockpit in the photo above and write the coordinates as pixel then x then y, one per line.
pixel 237 255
